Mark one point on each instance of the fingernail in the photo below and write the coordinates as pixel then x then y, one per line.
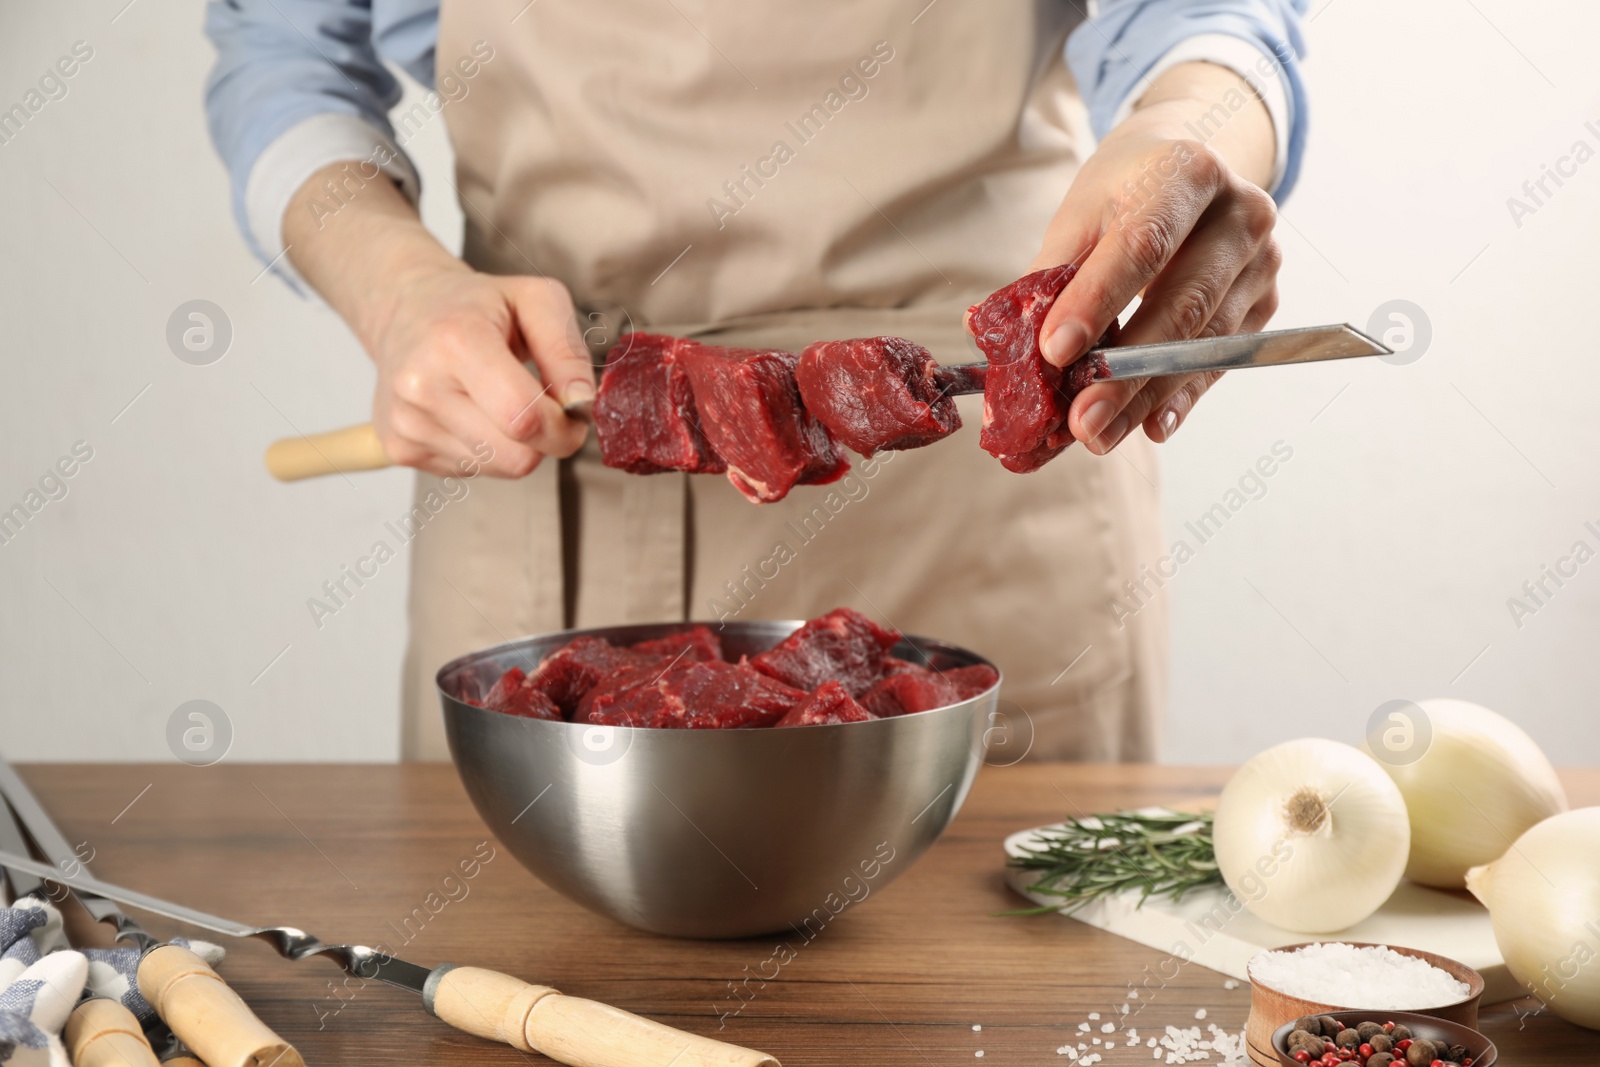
pixel 1169 422
pixel 1064 343
pixel 1113 435
pixel 1097 417
pixel 577 392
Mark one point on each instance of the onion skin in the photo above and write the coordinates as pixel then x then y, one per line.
pixel 1481 783
pixel 1543 898
pixel 1311 882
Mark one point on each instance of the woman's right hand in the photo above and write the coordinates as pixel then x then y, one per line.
pixel 453 347
pixel 450 352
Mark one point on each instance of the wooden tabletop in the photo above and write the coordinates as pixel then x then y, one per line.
pixel 363 853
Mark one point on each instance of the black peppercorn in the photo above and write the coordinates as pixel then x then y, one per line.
pixel 1347 1039
pixel 1381 1042
pixel 1380 1059
pixel 1400 1032
pixel 1330 1027
pixel 1368 1029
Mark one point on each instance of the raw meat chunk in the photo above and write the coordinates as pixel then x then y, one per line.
pixel 689 646
pixel 842 646
pixel 1025 398
pixel 568 673
pixel 514 695
pixel 876 393
pixel 721 695
pixel 634 698
pixel 911 690
pixel 830 704
pixel 708 695
pixel 970 681
pixel 644 411
pixel 751 412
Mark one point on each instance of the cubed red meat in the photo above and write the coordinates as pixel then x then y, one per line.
pixel 644 411
pixel 1025 398
pixel 704 695
pixel 751 412
pixel 876 393
pixel 570 672
pixel 970 681
pixel 687 646
pixel 829 705
pixel 910 690
pixel 514 694
pixel 843 646
pixel 721 695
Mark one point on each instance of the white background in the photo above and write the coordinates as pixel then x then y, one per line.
pixel 1377 566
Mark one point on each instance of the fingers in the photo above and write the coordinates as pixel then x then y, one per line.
pixel 413 437
pixel 466 422
pixel 550 333
pixel 1187 296
pixel 550 328
pixel 1131 253
pixel 517 405
pixel 1106 412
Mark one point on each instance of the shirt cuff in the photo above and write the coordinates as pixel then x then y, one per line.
pixel 301 151
pixel 1251 62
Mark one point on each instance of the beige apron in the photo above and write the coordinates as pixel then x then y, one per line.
pixel 773 174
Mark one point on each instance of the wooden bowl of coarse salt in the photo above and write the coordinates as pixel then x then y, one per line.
pixel 1319 977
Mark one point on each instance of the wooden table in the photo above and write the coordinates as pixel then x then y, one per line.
pixel 354 852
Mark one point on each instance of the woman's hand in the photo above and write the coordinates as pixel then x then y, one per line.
pixel 451 378
pixel 453 347
pixel 1187 224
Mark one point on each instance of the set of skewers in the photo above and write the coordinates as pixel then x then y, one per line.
pixel 204 1023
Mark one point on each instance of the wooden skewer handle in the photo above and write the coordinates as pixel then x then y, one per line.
pixel 582 1033
pixel 103 1033
pixel 206 1014
pixel 354 448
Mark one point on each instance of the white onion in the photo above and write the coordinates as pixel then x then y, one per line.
pixel 1311 835
pixel 1543 896
pixel 1480 782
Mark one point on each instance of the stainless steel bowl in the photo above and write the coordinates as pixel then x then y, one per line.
pixel 713 833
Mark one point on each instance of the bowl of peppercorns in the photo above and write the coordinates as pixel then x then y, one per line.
pixel 1380 1039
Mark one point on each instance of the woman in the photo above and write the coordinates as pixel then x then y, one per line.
pixel 771 175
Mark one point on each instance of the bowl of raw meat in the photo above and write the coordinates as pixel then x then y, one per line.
pixel 719 780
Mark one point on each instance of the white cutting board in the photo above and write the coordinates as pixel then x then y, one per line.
pixel 1210 928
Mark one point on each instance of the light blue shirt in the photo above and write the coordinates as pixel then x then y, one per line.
pixel 282 62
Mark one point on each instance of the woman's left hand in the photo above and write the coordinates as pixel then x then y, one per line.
pixel 1158 212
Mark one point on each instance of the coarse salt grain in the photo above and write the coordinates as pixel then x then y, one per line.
pixel 979 1054
pixel 1108 1028
pixel 1094 1016
pixel 1084 1027
pixel 1232 983
pixel 1373 976
pixel 976 1027
pixel 1201 1014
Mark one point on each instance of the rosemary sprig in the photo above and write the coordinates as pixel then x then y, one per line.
pixel 1160 853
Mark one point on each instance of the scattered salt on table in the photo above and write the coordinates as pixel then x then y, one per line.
pixel 1375 976
pixel 1232 983
pixel 976 1027
pixel 1201 1014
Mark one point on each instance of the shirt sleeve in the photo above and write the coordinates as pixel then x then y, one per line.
pixel 1125 44
pixel 297 85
